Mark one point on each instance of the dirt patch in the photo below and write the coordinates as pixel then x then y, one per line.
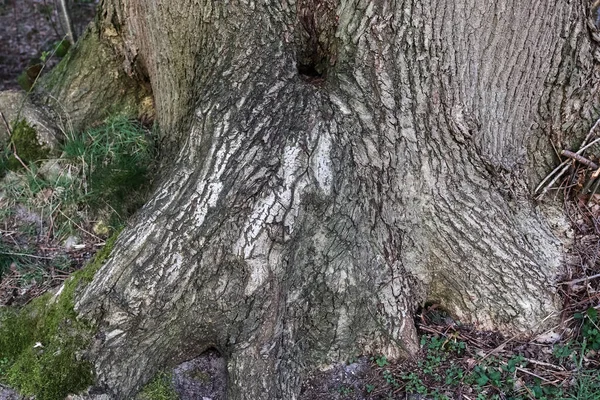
pixel 29 27
pixel 203 378
pixel 342 381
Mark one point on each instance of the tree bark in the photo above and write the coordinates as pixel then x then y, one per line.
pixel 332 166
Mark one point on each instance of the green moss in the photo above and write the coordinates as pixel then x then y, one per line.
pixel 52 79
pixel 12 164
pixel 42 350
pixel 41 344
pixel 93 63
pixel 24 139
pixel 160 388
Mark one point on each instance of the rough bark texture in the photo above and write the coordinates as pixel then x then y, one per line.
pixel 305 217
pixel 91 83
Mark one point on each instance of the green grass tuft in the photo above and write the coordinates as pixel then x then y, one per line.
pixel 114 161
pixel 103 176
pixel 160 388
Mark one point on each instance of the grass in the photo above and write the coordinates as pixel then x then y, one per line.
pixel 102 175
pixel 82 197
pixel 160 388
pixel 113 163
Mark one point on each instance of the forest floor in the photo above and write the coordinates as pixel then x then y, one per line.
pixel 456 361
pixel 31 263
pixel 30 27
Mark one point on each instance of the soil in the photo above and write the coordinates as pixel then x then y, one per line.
pixel 202 378
pixel 29 27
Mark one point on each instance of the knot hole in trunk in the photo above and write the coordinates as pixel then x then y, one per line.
pixel 317 24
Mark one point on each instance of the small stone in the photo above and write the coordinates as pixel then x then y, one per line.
pixel 570 233
pixel 52 169
pixel 71 242
pixel 8 394
pixel 548 337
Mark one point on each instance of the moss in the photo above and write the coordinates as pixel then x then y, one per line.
pixel 92 63
pixel 160 388
pixel 24 139
pixel 42 350
pixel 52 79
pixel 41 344
pixel 12 164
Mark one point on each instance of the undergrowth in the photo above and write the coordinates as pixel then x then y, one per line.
pixel 73 201
pixel 451 366
pixel 101 175
pixel 113 162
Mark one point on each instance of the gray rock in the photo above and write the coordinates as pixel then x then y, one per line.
pixel 54 168
pixel 16 104
pixel 8 394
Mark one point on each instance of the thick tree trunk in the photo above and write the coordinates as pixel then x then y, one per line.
pixel 336 164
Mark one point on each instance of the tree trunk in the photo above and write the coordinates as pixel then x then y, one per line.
pixel 333 164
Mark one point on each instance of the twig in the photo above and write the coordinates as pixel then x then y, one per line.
pixel 64 10
pixel 77 225
pixel 563 167
pixel 587 146
pixel 25 255
pixel 19 159
pixel 574 281
pixel 431 330
pixel 584 144
pixel 545 364
pixel 579 158
pixel 595 189
pixel 589 135
pixel 6 124
pixel 532 374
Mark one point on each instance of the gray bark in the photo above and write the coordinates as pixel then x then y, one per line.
pixel 303 219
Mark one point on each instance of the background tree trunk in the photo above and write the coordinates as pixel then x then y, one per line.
pixel 333 165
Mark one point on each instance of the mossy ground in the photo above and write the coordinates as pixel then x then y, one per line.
pixel 42 344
